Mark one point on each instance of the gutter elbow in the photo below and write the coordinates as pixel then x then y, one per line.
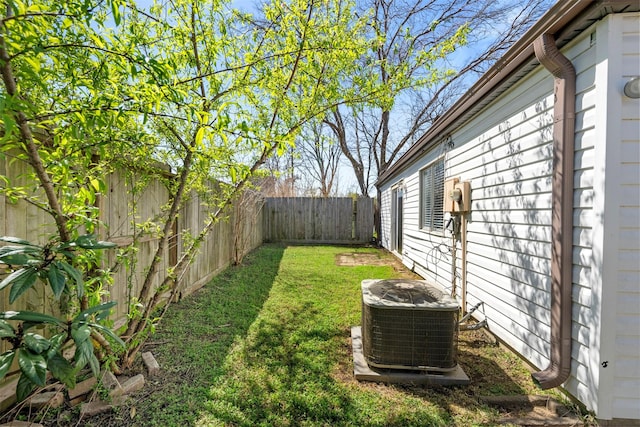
pixel 554 376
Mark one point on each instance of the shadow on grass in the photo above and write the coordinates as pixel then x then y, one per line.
pixel 281 374
pixel 492 371
pixel 267 344
pixel 285 375
pixel 294 368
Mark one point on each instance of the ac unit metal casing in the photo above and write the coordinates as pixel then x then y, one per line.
pixel 409 324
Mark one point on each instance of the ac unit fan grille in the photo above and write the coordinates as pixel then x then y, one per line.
pixel 397 335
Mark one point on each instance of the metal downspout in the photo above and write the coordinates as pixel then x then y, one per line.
pixel 562 69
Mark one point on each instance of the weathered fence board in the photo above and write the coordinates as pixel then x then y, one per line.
pixel 364 221
pixel 339 220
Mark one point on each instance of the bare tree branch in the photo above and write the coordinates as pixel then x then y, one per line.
pixel 375 136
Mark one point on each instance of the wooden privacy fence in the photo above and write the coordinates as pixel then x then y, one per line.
pixel 337 220
pixel 126 205
pixel 132 204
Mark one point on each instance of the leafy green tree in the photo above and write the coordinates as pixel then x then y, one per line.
pixel 91 86
pixel 57 118
pixel 240 94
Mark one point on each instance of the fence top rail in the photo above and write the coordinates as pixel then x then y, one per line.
pixel 319 199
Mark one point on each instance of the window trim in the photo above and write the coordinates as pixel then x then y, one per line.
pixel 436 204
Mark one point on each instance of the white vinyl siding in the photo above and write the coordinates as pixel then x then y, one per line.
pixel 626 403
pixel 508 160
pixel 509 165
pixel 583 56
pixel 432 196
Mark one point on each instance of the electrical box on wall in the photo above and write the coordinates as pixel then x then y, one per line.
pixel 457 196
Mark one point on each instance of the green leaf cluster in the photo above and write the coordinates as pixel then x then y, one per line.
pixel 53 264
pixel 37 355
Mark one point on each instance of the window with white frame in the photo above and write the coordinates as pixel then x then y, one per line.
pixel 432 196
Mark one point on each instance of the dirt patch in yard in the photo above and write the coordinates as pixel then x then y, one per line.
pixel 499 381
pixel 354 259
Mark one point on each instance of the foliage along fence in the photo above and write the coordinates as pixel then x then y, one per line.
pixel 334 220
pixel 128 208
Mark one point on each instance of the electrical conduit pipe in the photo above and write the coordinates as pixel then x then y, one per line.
pixel 564 73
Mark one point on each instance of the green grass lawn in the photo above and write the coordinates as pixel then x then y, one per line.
pixel 267 344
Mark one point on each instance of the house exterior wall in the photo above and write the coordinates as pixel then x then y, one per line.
pixel 505 151
pixel 421 251
pixel 615 264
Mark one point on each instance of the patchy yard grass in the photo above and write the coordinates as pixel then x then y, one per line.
pixel 268 343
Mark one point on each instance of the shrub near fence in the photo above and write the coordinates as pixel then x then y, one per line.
pixel 333 220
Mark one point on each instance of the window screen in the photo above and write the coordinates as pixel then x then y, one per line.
pixel 432 196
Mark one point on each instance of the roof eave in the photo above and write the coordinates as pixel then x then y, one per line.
pixel 565 20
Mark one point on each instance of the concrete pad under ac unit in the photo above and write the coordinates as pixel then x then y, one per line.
pixel 363 372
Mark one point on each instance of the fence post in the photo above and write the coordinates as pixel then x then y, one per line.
pixel 354 219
